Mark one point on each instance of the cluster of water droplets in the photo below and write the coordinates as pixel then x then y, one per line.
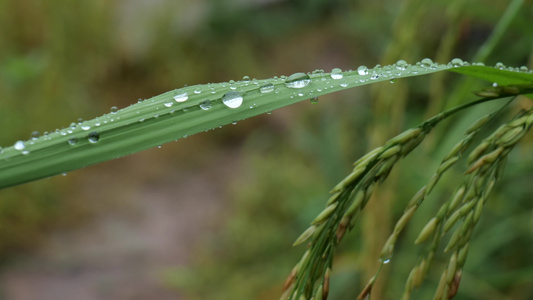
pixel 237 91
pixel 234 93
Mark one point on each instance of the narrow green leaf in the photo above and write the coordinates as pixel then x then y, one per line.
pixel 179 113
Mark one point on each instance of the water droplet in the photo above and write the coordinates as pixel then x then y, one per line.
pixel 336 73
pixel 180 96
pixel 19 145
pixel 343 84
pixel 392 80
pixel 523 69
pixel 401 65
pixel 167 104
pixel 318 71
pixel 457 62
pixel 197 91
pixel 232 99
pixel 85 127
pixel 25 152
pixel 246 78
pixel 362 70
pixel 297 81
pixel 374 76
pixel 300 94
pixel 94 137
pixel 205 105
pixel 234 123
pixel 72 141
pixel 426 63
pixel 499 65
pixel 141 120
pixel 35 135
pixel 314 100
pixel 266 88
pixel 113 111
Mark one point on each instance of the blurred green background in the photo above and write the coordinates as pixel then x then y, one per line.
pixel 213 216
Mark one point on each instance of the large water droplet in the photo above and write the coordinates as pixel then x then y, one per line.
pixel 35 135
pixel 85 127
pixel 246 78
pixel 426 63
pixel 232 99
pixel 72 141
pixel 113 111
pixel 297 81
pixel 457 62
pixel 167 104
pixel 19 145
pixel 362 70
pixel 499 65
pixel 336 73
pixel 205 105
pixel 180 96
pixel 266 88
pixel 94 137
pixel 401 65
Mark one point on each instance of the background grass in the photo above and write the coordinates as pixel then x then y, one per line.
pixel 64 60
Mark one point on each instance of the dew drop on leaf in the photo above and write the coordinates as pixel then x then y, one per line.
pixel 35 135
pixel 180 96
pixel 314 100
pixel 113 111
pixel 499 65
pixel 205 105
pixel 19 145
pixel 401 65
pixel 266 88
pixel 85 127
pixel 167 104
pixel 232 99
pixel 336 73
pixel 457 62
pixel 426 63
pixel 72 141
pixel 362 70
pixel 94 137
pixel 297 81
pixel 246 78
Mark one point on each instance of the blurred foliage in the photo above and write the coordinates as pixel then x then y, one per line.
pixel 60 60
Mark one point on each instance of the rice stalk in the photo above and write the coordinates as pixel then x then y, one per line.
pixel 463 210
pixel 349 198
